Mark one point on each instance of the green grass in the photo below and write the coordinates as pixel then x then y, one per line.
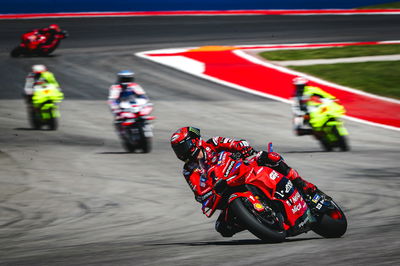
pixel 381 78
pixel 387 5
pixel 334 52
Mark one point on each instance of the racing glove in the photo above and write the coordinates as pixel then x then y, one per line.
pixel 220 186
pixel 273 160
pixel 247 151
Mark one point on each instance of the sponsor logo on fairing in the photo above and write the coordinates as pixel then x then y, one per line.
pixel 203 180
pixel 288 186
pixel 304 222
pixel 228 170
pixel 296 197
pixel 273 175
pixel 316 198
pixel 258 206
pixel 221 158
pixel 296 208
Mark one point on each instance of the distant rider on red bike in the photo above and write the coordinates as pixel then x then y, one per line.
pixel 203 164
pixel 125 89
pixel 50 35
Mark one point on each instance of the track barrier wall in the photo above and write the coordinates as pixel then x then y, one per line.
pixel 56 6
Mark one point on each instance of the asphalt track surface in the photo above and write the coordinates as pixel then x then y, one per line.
pixel 74 197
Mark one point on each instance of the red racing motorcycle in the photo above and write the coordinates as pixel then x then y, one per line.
pixel 36 44
pixel 272 208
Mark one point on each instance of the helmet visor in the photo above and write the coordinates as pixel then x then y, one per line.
pixel 185 150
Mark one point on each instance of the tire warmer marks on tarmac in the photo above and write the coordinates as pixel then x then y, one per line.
pixel 234 67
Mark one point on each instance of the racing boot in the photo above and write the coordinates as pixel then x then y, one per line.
pixel 306 187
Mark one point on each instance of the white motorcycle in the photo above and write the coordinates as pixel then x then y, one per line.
pixel 133 124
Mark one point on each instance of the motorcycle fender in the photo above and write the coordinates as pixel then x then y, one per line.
pixel 340 128
pixel 55 112
pixel 256 203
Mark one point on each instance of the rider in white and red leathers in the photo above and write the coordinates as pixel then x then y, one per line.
pixel 202 157
pixel 125 89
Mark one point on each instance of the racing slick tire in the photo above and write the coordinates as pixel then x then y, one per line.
pixel 17 51
pixel 250 219
pixel 332 224
pixel 146 142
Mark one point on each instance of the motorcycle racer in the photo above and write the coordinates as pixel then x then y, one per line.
pixel 50 36
pixel 306 96
pixel 125 89
pixel 38 76
pixel 204 162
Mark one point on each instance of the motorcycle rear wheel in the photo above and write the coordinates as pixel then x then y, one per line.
pixel 332 224
pixel 252 221
pixel 17 51
pixel 342 142
pixel 145 142
pixel 52 123
pixel 35 119
pixel 128 146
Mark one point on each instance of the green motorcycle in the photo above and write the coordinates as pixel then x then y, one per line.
pixel 323 122
pixel 44 109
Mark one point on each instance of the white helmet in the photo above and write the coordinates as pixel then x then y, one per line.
pixel 300 81
pixel 38 68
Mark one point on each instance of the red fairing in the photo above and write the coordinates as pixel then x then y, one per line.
pixel 32 40
pixel 266 179
pixel 43 40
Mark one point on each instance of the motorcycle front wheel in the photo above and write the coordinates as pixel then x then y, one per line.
pixel 146 141
pixel 332 224
pixel 52 123
pixel 265 229
pixel 35 119
pixel 342 142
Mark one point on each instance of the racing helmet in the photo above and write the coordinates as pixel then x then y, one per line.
pixel 55 27
pixel 186 143
pixel 126 76
pixel 38 69
pixel 300 81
